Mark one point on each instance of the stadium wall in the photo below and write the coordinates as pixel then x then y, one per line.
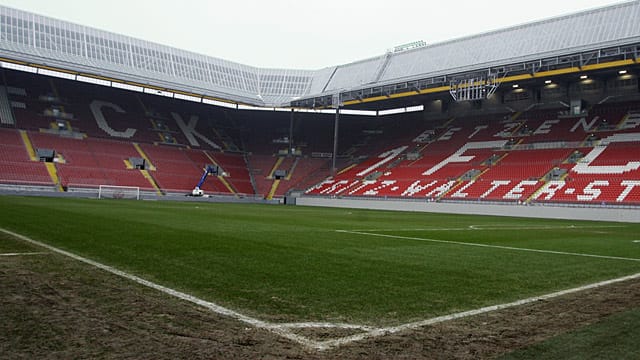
pixel 529 211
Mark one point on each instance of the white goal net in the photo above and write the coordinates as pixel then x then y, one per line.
pixel 118 192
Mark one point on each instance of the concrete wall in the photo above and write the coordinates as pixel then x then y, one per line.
pixel 530 211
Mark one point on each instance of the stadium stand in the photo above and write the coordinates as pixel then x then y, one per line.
pixel 16 167
pixel 539 155
pixel 530 163
pixel 562 127
pixel 102 130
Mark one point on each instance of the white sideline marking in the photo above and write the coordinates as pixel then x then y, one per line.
pixel 283 329
pixel 493 227
pixel 23 254
pixel 488 246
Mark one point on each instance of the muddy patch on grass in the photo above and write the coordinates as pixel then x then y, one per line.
pixel 55 307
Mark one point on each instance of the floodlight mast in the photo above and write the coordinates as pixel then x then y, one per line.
pixel 336 104
pixel 291 121
pixel 335 142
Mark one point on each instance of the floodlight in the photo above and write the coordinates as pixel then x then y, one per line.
pixel 358 112
pixel 127 86
pixel 391 111
pixel 153 91
pixel 415 108
pixel 25 68
pixel 219 103
pixel 58 74
pixel 92 80
pixel 187 97
pixel 250 107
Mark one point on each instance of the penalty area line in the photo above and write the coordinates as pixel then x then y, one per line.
pixel 23 254
pixel 493 227
pixel 513 248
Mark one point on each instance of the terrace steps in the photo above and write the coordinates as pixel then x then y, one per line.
pixel 151 181
pixel 275 167
pixel 53 173
pixel 227 184
pixel 145 157
pixel 28 145
pixel 274 188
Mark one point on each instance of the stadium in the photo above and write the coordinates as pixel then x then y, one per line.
pixel 473 198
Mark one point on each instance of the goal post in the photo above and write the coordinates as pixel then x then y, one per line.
pixel 118 192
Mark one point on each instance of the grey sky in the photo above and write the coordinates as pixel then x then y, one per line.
pixel 299 34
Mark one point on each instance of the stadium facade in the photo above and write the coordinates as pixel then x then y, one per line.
pixel 589 40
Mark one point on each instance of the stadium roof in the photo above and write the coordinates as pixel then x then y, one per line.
pixel 590 37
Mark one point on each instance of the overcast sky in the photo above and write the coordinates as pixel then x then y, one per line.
pixel 299 34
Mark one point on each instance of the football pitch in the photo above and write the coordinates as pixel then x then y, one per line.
pixel 305 265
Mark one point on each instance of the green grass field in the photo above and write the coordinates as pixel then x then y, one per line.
pixel 288 263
